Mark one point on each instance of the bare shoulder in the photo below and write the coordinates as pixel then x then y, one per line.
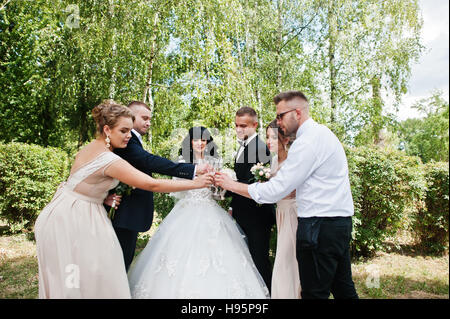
pixel 118 166
pixel 86 154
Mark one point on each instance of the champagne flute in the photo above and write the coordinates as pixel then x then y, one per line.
pixel 210 161
pixel 216 164
pixel 219 166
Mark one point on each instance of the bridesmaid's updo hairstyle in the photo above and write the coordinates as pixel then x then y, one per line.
pixel 108 113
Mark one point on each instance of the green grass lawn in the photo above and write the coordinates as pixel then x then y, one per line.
pixel 397 275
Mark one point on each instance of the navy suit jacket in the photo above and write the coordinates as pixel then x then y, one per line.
pixel 135 212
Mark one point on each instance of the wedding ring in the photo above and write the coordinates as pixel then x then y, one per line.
pixel 114 203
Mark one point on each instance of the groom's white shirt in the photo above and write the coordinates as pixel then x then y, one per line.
pixel 248 140
pixel 316 167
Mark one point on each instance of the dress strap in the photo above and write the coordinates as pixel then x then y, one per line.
pixel 102 160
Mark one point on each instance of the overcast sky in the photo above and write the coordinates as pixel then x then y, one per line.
pixel 432 70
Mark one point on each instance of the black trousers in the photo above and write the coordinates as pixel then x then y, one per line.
pixel 127 239
pixel 328 268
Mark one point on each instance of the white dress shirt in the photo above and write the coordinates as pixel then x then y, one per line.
pixel 316 167
pixel 243 145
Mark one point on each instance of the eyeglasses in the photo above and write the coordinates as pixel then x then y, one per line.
pixel 280 116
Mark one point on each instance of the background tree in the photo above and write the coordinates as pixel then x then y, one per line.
pixel 365 48
pixel 197 61
pixel 427 137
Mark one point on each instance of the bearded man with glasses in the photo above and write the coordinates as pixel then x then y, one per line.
pixel 316 167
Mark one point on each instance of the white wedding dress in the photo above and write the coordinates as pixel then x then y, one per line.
pixel 197 252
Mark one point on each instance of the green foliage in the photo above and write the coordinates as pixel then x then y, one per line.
pixel 384 185
pixel 29 176
pixel 427 137
pixel 361 51
pixel 430 221
pixel 29 49
pixel 195 62
pixel 163 202
pixel 200 60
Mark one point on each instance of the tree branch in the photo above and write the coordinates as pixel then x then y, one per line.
pixel 352 92
pixel 4 5
pixel 298 32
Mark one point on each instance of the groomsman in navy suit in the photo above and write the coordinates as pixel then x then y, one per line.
pixel 135 212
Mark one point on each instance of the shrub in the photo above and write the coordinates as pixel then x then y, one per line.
pixel 29 176
pixel 430 221
pixel 163 202
pixel 384 183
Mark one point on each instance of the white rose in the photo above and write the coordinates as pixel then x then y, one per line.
pixel 261 173
pixel 267 175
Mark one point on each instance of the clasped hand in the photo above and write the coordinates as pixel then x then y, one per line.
pixel 223 180
pixel 206 173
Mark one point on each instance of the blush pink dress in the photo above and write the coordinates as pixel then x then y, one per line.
pixel 79 255
pixel 285 277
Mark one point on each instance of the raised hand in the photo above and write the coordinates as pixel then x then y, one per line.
pixel 223 180
pixel 205 180
pixel 203 168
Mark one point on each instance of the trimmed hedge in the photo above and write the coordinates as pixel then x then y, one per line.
pixel 29 176
pixel 430 221
pixel 385 184
pixel 388 188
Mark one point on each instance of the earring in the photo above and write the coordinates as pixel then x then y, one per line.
pixel 108 141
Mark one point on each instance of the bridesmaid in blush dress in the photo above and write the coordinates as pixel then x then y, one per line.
pixel 285 277
pixel 79 255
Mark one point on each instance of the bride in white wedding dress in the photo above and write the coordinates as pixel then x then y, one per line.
pixel 198 250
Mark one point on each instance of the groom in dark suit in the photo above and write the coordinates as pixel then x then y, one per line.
pixel 135 213
pixel 255 220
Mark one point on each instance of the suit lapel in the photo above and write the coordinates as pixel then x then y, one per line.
pixel 136 139
pixel 243 158
pixel 242 154
pixel 251 151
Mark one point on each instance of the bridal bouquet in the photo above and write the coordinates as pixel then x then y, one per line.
pixel 121 189
pixel 260 172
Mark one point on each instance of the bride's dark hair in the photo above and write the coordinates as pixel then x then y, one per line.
pixel 198 132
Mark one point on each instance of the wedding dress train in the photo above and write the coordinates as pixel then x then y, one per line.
pixel 197 252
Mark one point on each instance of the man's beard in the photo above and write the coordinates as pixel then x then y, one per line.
pixel 288 132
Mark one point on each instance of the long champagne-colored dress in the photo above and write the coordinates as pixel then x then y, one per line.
pixel 79 255
pixel 285 276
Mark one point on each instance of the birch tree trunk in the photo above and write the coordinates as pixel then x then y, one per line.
pixel 333 33
pixel 147 96
pixel 377 109
pixel 112 87
pixel 279 45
